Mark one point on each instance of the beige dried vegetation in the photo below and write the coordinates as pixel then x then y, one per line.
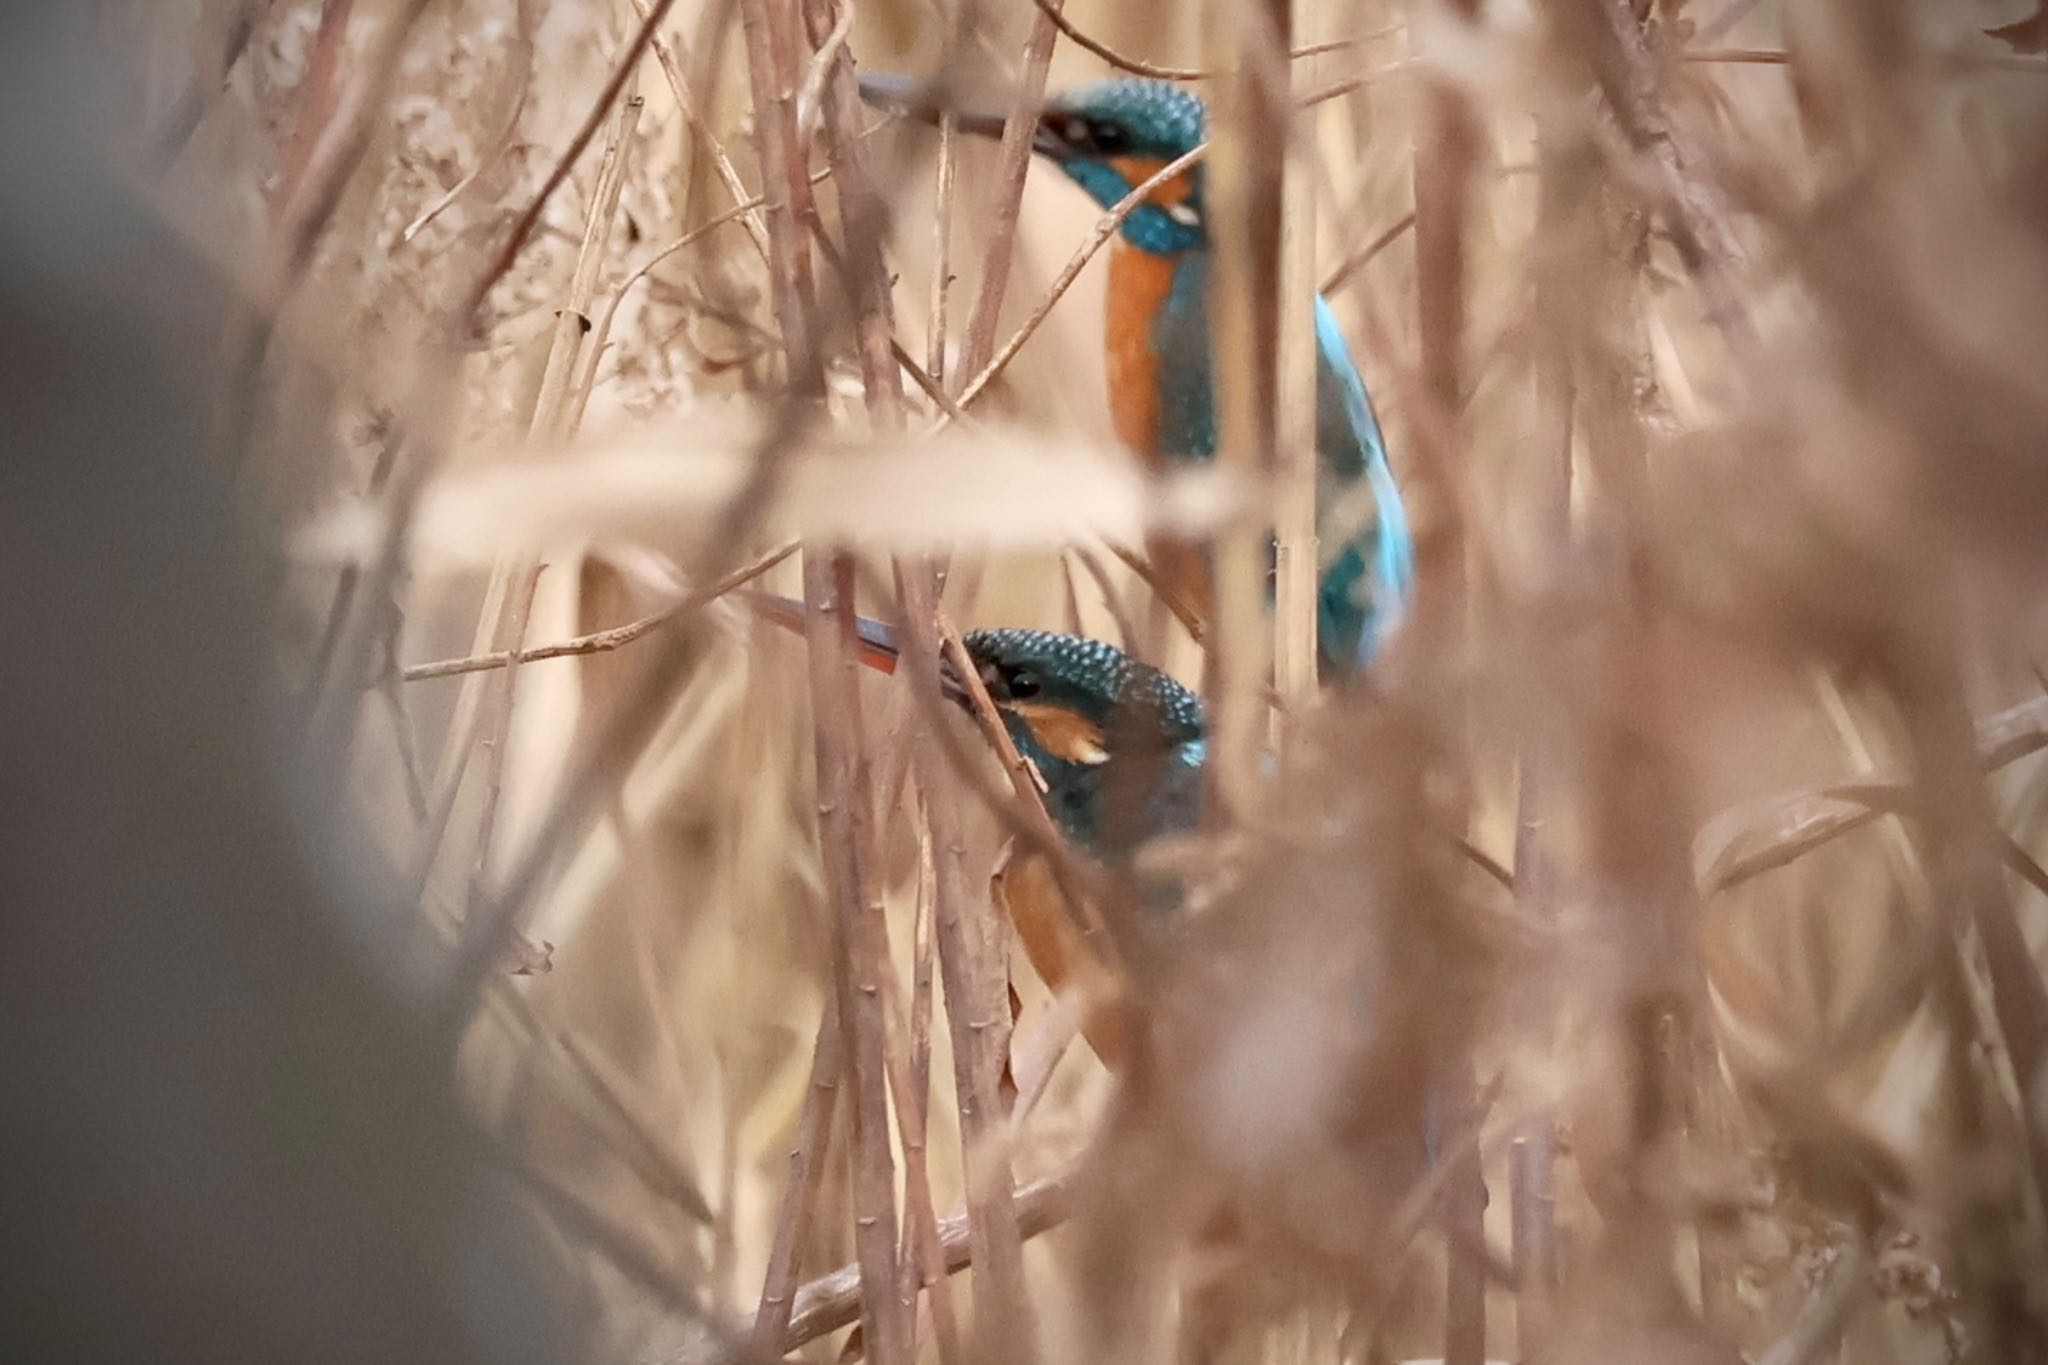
pixel 1709 337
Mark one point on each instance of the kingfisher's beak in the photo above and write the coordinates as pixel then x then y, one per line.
pixel 875 640
pixel 928 101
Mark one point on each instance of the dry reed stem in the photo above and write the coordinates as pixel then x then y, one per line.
pixel 513 587
pixel 921 1258
pixel 1245 191
pixel 807 1167
pixel 1013 160
pixel 977 1013
pixel 1444 168
pixel 833 1301
pixel 1297 556
pixel 861 945
pixel 771 70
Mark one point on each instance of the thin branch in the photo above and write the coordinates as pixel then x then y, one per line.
pixel 1772 833
pixel 833 1301
pixel 1139 67
pixel 498 146
pixel 1360 259
pixel 1735 56
pixel 522 227
pixel 1105 228
pixel 603 641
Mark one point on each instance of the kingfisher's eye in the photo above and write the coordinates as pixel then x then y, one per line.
pixel 1109 138
pixel 1021 683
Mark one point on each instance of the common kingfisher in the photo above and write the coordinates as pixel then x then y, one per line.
pixel 1120 747
pixel 1119 743
pixel 1109 138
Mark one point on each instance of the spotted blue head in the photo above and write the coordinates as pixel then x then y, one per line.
pixel 1113 136
pixel 1120 744
pixel 1109 137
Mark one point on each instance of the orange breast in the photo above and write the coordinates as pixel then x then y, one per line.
pixel 1025 889
pixel 1139 282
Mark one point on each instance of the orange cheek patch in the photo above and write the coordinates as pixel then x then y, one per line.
pixel 1138 169
pixel 1063 734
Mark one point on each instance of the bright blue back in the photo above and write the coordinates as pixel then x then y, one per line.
pixel 1366 584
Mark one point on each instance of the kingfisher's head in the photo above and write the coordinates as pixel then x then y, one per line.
pixel 1073 702
pixel 1109 137
pixel 1120 744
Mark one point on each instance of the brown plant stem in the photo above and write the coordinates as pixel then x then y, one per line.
pixel 807 1166
pixel 513 589
pixel 860 941
pixel 977 1016
pixel 832 1301
pixel 921 1259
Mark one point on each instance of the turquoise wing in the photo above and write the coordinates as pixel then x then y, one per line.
pixel 1367 583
